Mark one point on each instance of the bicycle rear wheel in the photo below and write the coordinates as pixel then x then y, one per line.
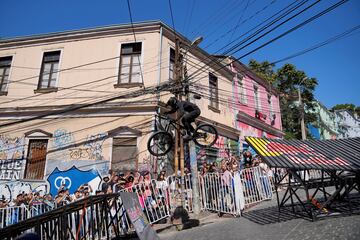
pixel 160 143
pixel 205 135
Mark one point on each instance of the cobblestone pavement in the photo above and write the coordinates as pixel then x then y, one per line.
pixel 262 222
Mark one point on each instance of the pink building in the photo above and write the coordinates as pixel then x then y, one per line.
pixel 254 104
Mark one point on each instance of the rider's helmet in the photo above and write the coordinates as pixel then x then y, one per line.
pixel 172 102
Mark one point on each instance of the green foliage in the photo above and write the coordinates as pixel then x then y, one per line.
pixel 287 80
pixel 264 70
pixel 355 110
pixel 347 106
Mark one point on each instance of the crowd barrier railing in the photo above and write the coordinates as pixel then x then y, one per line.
pixel 256 185
pixel 223 193
pixel 154 199
pixel 14 214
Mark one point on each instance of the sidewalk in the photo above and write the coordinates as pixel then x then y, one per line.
pixel 203 218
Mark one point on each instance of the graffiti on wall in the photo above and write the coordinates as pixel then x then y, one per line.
pixel 224 148
pixel 11 148
pixel 72 179
pixel 146 164
pixel 11 157
pixel 9 190
pixel 11 169
pixel 62 138
pixel 92 149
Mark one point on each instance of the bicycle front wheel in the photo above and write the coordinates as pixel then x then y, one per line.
pixel 205 135
pixel 160 143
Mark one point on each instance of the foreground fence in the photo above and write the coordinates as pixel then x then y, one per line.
pixel 94 217
pixel 15 214
pixel 219 192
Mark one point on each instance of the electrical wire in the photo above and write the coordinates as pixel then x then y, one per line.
pixel 327 10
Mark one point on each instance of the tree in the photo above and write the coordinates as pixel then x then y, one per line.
pixel 287 80
pixel 264 70
pixel 347 106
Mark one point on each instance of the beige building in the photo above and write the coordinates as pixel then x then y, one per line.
pixel 88 98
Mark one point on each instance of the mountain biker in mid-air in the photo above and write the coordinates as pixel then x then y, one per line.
pixel 187 110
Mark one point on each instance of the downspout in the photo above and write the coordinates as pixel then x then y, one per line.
pixel 158 93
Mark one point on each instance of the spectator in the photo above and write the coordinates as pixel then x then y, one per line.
pixel 129 181
pixel 3 202
pixel 247 158
pixel 77 196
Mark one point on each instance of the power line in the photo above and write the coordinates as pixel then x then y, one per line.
pixel 137 93
pixel 133 31
pixel 321 44
pixel 287 32
pixel 231 30
pixel 240 18
pixel 236 48
pixel 61 118
pixel 81 84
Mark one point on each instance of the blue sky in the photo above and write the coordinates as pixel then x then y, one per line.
pixel 335 65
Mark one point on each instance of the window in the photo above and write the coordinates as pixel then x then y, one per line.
pixel 213 88
pixel 172 64
pixel 124 153
pixel 270 106
pixel 5 63
pixel 241 89
pixel 256 96
pixel 49 70
pixel 130 69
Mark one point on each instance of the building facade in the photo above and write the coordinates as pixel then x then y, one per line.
pixel 75 104
pixel 333 124
pixel 348 124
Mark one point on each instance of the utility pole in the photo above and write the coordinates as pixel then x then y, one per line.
pixel 177 80
pixel 301 109
pixel 191 145
pixel 179 143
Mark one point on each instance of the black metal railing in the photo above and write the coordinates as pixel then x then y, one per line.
pixel 94 217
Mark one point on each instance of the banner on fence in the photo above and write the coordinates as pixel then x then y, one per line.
pixel 137 217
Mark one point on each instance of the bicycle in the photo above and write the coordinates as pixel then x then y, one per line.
pixel 162 141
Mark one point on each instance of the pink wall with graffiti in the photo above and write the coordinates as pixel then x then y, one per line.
pixel 244 100
pixel 249 96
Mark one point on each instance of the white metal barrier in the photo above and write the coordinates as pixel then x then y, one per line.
pixel 223 193
pixel 256 185
pixel 218 193
pixel 154 199
pixel 15 214
pixel 175 194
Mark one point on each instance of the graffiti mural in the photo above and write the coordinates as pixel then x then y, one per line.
pixel 11 148
pixel 72 179
pixel 94 144
pixel 9 190
pixel 146 164
pixel 62 138
pixel 224 148
pixel 11 169
pixel 92 149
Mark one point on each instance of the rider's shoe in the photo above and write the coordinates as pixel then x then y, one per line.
pixel 187 137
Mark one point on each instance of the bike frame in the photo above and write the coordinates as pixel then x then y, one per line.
pixel 171 122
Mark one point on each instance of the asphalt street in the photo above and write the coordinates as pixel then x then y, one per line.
pixel 264 222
